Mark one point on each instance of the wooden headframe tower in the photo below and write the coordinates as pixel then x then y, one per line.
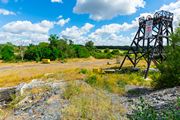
pixel 151 39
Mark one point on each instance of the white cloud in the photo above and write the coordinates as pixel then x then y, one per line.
pixel 56 1
pixel 27 31
pixel 6 12
pixel 173 7
pixel 115 34
pixel 106 35
pixel 27 26
pixel 107 9
pixel 112 34
pixel 59 17
pixel 62 21
pixel 78 35
pixel 119 34
pixel 17 31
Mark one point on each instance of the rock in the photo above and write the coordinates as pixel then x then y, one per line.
pixel 135 69
pixel 34 83
pixel 153 70
pixel 6 94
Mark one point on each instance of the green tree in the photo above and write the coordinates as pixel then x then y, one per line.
pixel 45 51
pixel 81 51
pixel 32 53
pixel 115 52
pixel 7 52
pixel 90 45
pixel 107 50
pixel 170 69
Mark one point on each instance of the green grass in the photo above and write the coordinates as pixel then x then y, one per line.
pixel 116 82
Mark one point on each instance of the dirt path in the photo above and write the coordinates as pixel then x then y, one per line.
pixel 14 73
pixel 60 65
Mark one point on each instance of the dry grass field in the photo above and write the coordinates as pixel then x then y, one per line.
pixel 13 74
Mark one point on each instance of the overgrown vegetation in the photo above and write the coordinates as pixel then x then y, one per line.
pixel 115 82
pixel 143 111
pixel 86 102
pixel 170 69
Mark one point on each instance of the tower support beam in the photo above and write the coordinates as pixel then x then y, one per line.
pixel 151 39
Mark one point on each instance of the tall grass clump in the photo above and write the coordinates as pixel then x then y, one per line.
pixel 89 103
pixel 116 82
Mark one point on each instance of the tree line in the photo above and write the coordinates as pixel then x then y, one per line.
pixel 56 49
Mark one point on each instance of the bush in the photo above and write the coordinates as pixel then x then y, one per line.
pixel 102 55
pixel 109 56
pixel 115 52
pixel 169 69
pixel 83 71
pixel 81 51
pixel 91 80
pixel 32 53
pixel 7 53
pixel 107 50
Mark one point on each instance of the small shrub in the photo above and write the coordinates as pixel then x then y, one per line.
pixel 115 52
pixel 15 101
pixel 107 50
pixel 109 56
pixel 121 84
pixel 83 71
pixel 107 86
pixel 99 55
pixel 143 111
pixel 92 80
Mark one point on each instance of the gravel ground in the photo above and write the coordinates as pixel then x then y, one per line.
pixel 47 105
pixel 160 99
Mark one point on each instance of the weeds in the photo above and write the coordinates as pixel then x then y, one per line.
pixel 83 71
pixel 15 100
pixel 115 82
pixel 92 80
pixel 89 103
pixel 143 111
pixel 71 90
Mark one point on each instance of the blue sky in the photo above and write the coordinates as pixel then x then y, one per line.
pixel 105 22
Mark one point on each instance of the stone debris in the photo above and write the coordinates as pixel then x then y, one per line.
pixel 161 99
pixel 42 106
pixel 47 105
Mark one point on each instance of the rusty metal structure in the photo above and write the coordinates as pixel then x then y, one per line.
pixel 151 39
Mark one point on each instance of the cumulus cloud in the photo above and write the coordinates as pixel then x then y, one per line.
pixel 56 1
pixel 27 26
pixel 6 12
pixel 112 34
pixel 173 7
pixel 30 33
pixel 107 9
pixel 62 21
pixel 78 35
